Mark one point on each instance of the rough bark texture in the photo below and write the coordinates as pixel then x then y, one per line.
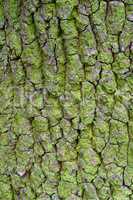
pixel 66 101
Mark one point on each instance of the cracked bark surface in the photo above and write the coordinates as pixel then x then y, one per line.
pixel 66 105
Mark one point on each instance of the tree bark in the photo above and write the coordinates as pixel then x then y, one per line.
pixel 66 103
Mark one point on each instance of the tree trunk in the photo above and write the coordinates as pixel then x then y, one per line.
pixel 66 104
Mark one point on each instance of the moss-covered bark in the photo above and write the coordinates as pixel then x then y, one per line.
pixel 66 101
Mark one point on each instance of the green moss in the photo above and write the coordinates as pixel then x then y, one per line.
pixel 15 43
pixel 2 38
pixel 1 15
pixel 28 30
pixel 24 143
pixel 65 151
pixel 4 123
pixel 53 29
pixel 50 165
pixel 66 114
pixel 18 75
pixel 4 139
pixel 56 132
pixel 65 8
pixel 121 193
pixel 32 55
pixel 110 153
pixel 121 63
pixel 74 69
pixel 87 39
pixel 40 124
pixel 53 110
pixel 6 91
pixel 71 46
pixel 108 80
pixel 55 83
pixel 34 74
pixel 37 100
pixel 65 189
pixel 105 56
pixel 13 10
pixel 115 17
pixel 87 111
pixel 48 10
pixel 90 191
pixel 69 29
pixel 126 37
pixel 69 172
pixel 20 124
pixel 105 103
pixel 37 176
pixel 89 159
pixel 120 112
pixel 5 191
